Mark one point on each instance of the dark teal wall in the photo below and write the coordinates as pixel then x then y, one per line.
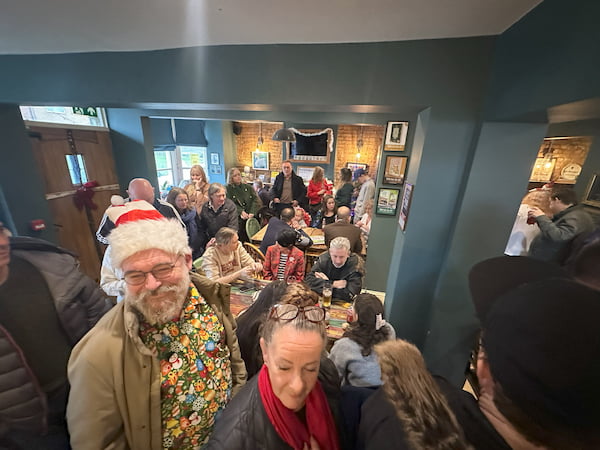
pixel 550 57
pixel 20 181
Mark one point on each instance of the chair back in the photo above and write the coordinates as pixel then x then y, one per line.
pixel 252 227
pixel 254 252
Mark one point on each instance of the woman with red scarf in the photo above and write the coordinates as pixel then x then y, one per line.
pixel 284 406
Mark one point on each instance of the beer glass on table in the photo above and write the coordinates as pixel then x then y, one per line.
pixel 327 292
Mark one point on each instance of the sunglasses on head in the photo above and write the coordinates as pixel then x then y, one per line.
pixel 287 312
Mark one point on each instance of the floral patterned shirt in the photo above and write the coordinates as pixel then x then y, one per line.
pixel 195 372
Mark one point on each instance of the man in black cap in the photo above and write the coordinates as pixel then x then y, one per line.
pixel 538 367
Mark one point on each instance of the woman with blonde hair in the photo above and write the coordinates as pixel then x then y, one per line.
pixel 524 231
pixel 317 188
pixel 197 189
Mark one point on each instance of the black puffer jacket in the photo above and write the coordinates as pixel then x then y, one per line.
pixel 244 425
pixel 79 305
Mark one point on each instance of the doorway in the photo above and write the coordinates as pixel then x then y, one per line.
pixel 68 158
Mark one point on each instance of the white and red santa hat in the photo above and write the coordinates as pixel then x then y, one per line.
pixel 139 226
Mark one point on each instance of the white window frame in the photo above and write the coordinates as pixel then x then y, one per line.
pixel 177 164
pixel 101 117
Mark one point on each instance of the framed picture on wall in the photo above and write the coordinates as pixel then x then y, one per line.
pixel 405 205
pixel 355 166
pixel 305 172
pixel 592 193
pixel 395 166
pixel 214 158
pixel 387 201
pixel 260 160
pixel 395 136
pixel 216 170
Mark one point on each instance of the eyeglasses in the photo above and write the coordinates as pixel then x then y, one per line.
pixel 287 312
pixel 160 272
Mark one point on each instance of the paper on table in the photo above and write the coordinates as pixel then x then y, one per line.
pixel 318 239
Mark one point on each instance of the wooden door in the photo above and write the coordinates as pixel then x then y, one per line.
pixel 76 227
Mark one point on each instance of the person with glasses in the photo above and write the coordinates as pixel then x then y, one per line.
pixel 227 260
pixel 158 369
pixel 285 405
pixel 46 306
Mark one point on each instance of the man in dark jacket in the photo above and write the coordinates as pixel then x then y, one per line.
pixel 276 225
pixel 343 269
pixel 568 221
pixel 46 306
pixel 289 189
pixel 343 227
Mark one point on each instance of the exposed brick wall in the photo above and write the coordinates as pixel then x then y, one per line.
pixel 346 138
pixel 348 135
pixel 247 139
pixel 565 151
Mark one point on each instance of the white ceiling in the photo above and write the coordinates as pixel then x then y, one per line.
pixel 62 26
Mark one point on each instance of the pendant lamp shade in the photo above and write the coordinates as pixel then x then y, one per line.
pixel 284 134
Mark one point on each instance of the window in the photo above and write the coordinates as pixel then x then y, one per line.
pixel 67 115
pixel 173 167
pixel 77 170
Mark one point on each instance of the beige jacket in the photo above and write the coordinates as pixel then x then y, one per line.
pixel 114 401
pixel 216 264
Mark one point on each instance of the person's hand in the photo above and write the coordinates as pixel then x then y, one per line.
pixel 244 215
pixel 295 224
pixel 211 242
pixel 246 271
pixel 276 200
pixel 258 267
pixel 313 445
pixel 534 211
pixel 359 224
pixel 339 284
pixel 321 275
pixel 321 192
pixel 250 216
pixel 294 203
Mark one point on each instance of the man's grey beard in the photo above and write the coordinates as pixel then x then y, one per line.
pixel 169 308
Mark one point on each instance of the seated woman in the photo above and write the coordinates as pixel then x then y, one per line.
pixel 284 406
pixel 227 260
pixel 327 213
pixel 353 354
pixel 180 200
pixel 283 260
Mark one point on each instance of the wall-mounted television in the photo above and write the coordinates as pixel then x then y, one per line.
pixel 312 146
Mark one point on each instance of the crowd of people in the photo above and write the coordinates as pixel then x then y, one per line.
pixel 169 366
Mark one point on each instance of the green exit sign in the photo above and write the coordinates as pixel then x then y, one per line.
pixel 85 111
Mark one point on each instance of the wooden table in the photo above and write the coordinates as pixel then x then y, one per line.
pixel 337 312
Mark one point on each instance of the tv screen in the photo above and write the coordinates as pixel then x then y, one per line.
pixel 310 147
